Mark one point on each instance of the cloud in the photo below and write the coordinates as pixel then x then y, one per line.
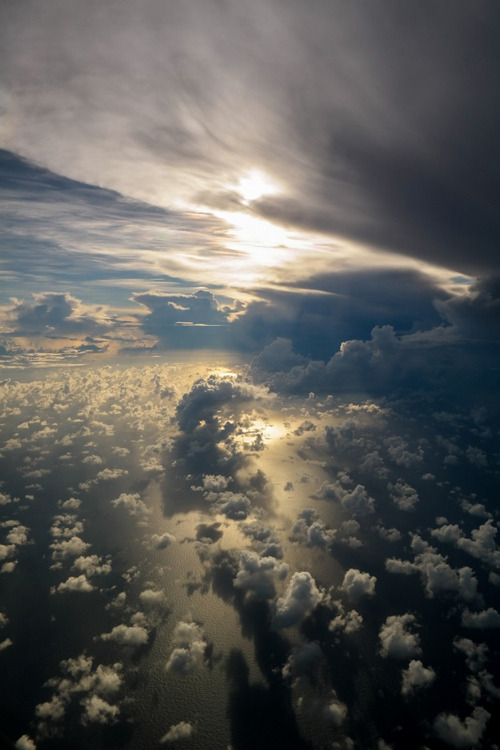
pixel 403 495
pixel 73 547
pixel 73 583
pixel 184 321
pixel 256 575
pixel 92 565
pixel 300 598
pixel 476 654
pixel 378 169
pixel 416 677
pixel 189 652
pixel 56 314
pixel 131 502
pixel 357 584
pixel 303 660
pixel 396 640
pixel 181 731
pixel 348 622
pixel 484 620
pixel 207 397
pixel 25 743
pixel 127 635
pixel 310 530
pixel 336 711
pixel 98 711
pixel 461 734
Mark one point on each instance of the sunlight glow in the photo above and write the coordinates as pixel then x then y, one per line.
pixel 255 184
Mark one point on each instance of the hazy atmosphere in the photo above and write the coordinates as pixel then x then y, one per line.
pixel 249 369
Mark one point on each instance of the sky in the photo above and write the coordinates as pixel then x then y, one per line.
pixel 249 355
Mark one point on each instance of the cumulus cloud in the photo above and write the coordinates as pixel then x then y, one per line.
pixel 416 677
pixel 96 710
pixel 484 620
pixel 181 731
pixel 57 313
pixel 335 710
pixel 73 583
pixel 403 496
pixel 92 565
pixel 356 502
pixel 127 635
pixel 256 575
pixel 310 530
pixel 300 598
pixel 437 575
pixel 131 502
pixel 190 646
pixel 461 734
pixel 396 639
pixel 73 547
pixel 207 397
pixel 357 584
pixel 183 321
pixel 475 654
pixel 348 622
pixel 25 743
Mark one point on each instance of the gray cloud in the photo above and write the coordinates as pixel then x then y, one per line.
pixel 341 111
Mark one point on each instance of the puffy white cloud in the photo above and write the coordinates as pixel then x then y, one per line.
pixel 25 743
pixel 358 502
pixel 438 576
pixel 335 710
pixel 300 598
pixel 52 710
pixel 481 544
pixel 357 584
pixel 181 731
pixel 127 635
pixel 310 530
pixel 403 495
pixel 416 677
pixel 475 653
pixel 461 734
pixel 98 711
pixel 349 622
pixel 448 533
pixel 131 502
pixel 391 535
pixel 396 640
pixel 487 618
pixel 256 575
pixel 68 548
pixel 73 583
pixel 92 565
pixel 233 505
pixel 189 653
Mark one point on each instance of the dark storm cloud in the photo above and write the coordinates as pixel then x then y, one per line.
pixel 378 119
pixel 333 307
pixel 54 313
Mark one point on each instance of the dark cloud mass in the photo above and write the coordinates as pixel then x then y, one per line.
pixel 249 371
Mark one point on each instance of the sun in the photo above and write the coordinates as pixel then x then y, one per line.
pixel 254 184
